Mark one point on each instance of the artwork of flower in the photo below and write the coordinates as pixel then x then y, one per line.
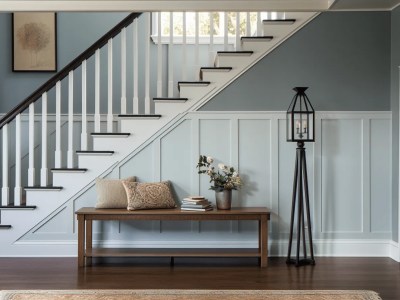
pixel 34 47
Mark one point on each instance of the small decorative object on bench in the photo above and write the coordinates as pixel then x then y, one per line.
pixel 196 203
pixel 149 195
pixel 225 180
pixel 111 193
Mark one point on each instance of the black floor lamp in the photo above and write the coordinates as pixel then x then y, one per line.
pixel 300 119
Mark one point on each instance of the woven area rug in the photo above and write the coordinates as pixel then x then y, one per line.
pixel 186 294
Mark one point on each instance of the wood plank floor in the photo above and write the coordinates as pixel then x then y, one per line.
pixel 379 274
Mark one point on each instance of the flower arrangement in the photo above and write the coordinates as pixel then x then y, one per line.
pixel 224 177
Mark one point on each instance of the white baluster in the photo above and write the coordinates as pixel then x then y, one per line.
pixel 135 68
pixel 196 43
pixel 211 46
pixel 110 87
pixel 70 152
pixel 147 104
pixel 237 31
pixel 184 48
pixel 259 31
pixel 123 71
pixel 17 188
pixel 58 153
pixel 171 56
pixel 248 24
pixel 84 135
pixel 5 189
pixel 97 91
pixel 31 147
pixel 44 172
pixel 159 57
pixel 225 31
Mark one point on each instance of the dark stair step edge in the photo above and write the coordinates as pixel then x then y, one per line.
pixel 17 207
pixel 110 133
pixel 140 116
pixel 93 152
pixel 280 21
pixel 5 226
pixel 200 83
pixel 170 99
pixel 266 37
pixel 69 169
pixel 235 52
pixel 44 188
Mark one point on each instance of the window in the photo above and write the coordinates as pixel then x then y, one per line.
pixel 218 19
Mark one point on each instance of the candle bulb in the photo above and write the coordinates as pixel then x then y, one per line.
pixel 305 126
pixel 298 127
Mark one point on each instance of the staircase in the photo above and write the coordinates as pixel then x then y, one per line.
pixel 76 166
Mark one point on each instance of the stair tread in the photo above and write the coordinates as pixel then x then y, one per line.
pixel 280 21
pixel 139 116
pixel 5 226
pixel 265 37
pixel 68 169
pixel 93 151
pixel 216 68
pixel 236 52
pixel 170 98
pixel 49 187
pixel 110 133
pixel 194 82
pixel 17 206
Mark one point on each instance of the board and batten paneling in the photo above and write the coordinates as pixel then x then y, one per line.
pixel 349 169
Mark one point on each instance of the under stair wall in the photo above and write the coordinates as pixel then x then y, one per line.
pixel 348 195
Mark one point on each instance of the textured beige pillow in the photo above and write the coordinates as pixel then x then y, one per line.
pixel 111 193
pixel 149 195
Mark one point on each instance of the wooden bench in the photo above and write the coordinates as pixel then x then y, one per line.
pixel 86 216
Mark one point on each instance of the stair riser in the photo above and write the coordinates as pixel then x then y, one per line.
pixel 217 77
pixel 233 61
pixel 104 144
pixel 143 129
pixel 170 108
pixel 257 46
pixel 196 93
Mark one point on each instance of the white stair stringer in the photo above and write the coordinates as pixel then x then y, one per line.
pixel 142 131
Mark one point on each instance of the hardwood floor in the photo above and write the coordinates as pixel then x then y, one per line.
pixel 379 274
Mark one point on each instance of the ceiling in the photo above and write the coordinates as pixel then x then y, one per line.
pixel 195 5
pixel 364 4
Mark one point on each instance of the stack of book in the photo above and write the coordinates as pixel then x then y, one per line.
pixel 196 203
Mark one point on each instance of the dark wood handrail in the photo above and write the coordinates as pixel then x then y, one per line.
pixel 70 67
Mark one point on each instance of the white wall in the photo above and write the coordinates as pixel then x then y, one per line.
pixel 349 169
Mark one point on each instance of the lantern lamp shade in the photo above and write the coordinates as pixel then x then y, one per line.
pixel 300 118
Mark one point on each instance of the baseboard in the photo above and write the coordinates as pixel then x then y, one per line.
pixel 394 251
pixel 277 248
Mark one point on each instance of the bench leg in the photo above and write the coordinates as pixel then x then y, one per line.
pixel 263 241
pixel 89 240
pixel 81 240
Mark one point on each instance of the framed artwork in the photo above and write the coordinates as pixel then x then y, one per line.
pixel 34 42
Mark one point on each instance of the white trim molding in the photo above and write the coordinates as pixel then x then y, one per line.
pixel 277 248
pixel 164 5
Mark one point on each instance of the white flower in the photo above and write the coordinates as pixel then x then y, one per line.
pixel 210 160
pixel 221 166
pixel 209 171
pixel 235 174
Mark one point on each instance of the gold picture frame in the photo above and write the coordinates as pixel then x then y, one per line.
pixel 34 42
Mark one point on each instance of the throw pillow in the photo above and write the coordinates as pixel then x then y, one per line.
pixel 149 195
pixel 111 193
